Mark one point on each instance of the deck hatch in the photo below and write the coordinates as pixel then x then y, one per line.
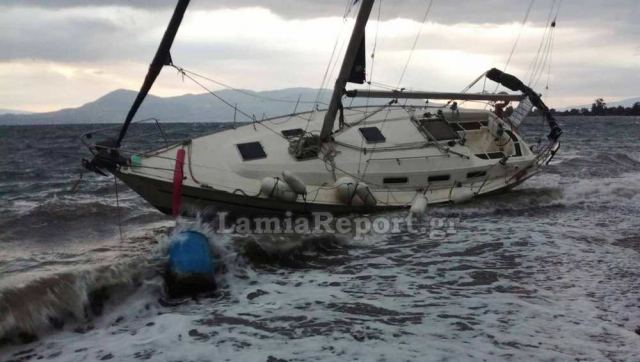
pixel 294 132
pixel 251 151
pixel 395 180
pixel 436 178
pixel 372 134
pixel 439 129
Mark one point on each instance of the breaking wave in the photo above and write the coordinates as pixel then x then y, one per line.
pixel 69 297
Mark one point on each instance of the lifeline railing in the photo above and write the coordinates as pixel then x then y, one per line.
pixel 145 136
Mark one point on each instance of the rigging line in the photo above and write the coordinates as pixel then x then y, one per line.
pixel 545 59
pixel 252 118
pixel 366 166
pixel 291 115
pixel 383 86
pixel 373 55
pixel 547 62
pixel 336 61
pixel 549 65
pixel 415 42
pixel 329 66
pixel 534 63
pixel 550 61
pixel 373 58
pixel 181 71
pixel 173 159
pixel 189 152
pixel 539 68
pixel 515 44
pixel 250 94
pixel 349 7
pixel 474 83
pixel 347 11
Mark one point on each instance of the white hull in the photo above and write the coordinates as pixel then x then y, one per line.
pixel 406 163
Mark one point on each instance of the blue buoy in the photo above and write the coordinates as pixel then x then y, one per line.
pixel 191 265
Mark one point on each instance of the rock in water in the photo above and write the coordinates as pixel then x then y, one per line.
pixel 191 265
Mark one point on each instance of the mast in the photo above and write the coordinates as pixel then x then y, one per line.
pixel 162 58
pixel 355 43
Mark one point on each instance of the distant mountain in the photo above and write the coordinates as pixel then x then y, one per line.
pixel 12 111
pixel 113 107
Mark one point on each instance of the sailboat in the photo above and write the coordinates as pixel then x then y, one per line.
pixel 342 159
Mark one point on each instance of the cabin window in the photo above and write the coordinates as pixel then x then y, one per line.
pixel 436 178
pixel 475 174
pixel 439 129
pixel 372 134
pixel 516 144
pixel 470 126
pixel 495 155
pixel 294 132
pixel 482 156
pixel 251 151
pixel 518 150
pixel 395 180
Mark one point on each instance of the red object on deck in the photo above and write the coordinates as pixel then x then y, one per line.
pixel 178 175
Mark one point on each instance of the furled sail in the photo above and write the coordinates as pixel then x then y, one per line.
pixel 162 58
pixel 358 73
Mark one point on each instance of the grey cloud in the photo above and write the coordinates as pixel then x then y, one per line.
pixel 44 34
pixel 490 11
pixel 60 39
pixel 74 39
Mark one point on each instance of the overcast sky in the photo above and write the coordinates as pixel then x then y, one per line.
pixel 64 53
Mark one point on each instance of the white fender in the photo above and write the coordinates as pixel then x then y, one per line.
pixel 294 182
pixel 277 189
pixel 364 193
pixel 461 194
pixel 345 189
pixel 419 205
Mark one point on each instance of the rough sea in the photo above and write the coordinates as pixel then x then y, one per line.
pixel 547 272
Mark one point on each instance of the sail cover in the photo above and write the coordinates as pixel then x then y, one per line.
pixel 358 74
pixel 516 84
